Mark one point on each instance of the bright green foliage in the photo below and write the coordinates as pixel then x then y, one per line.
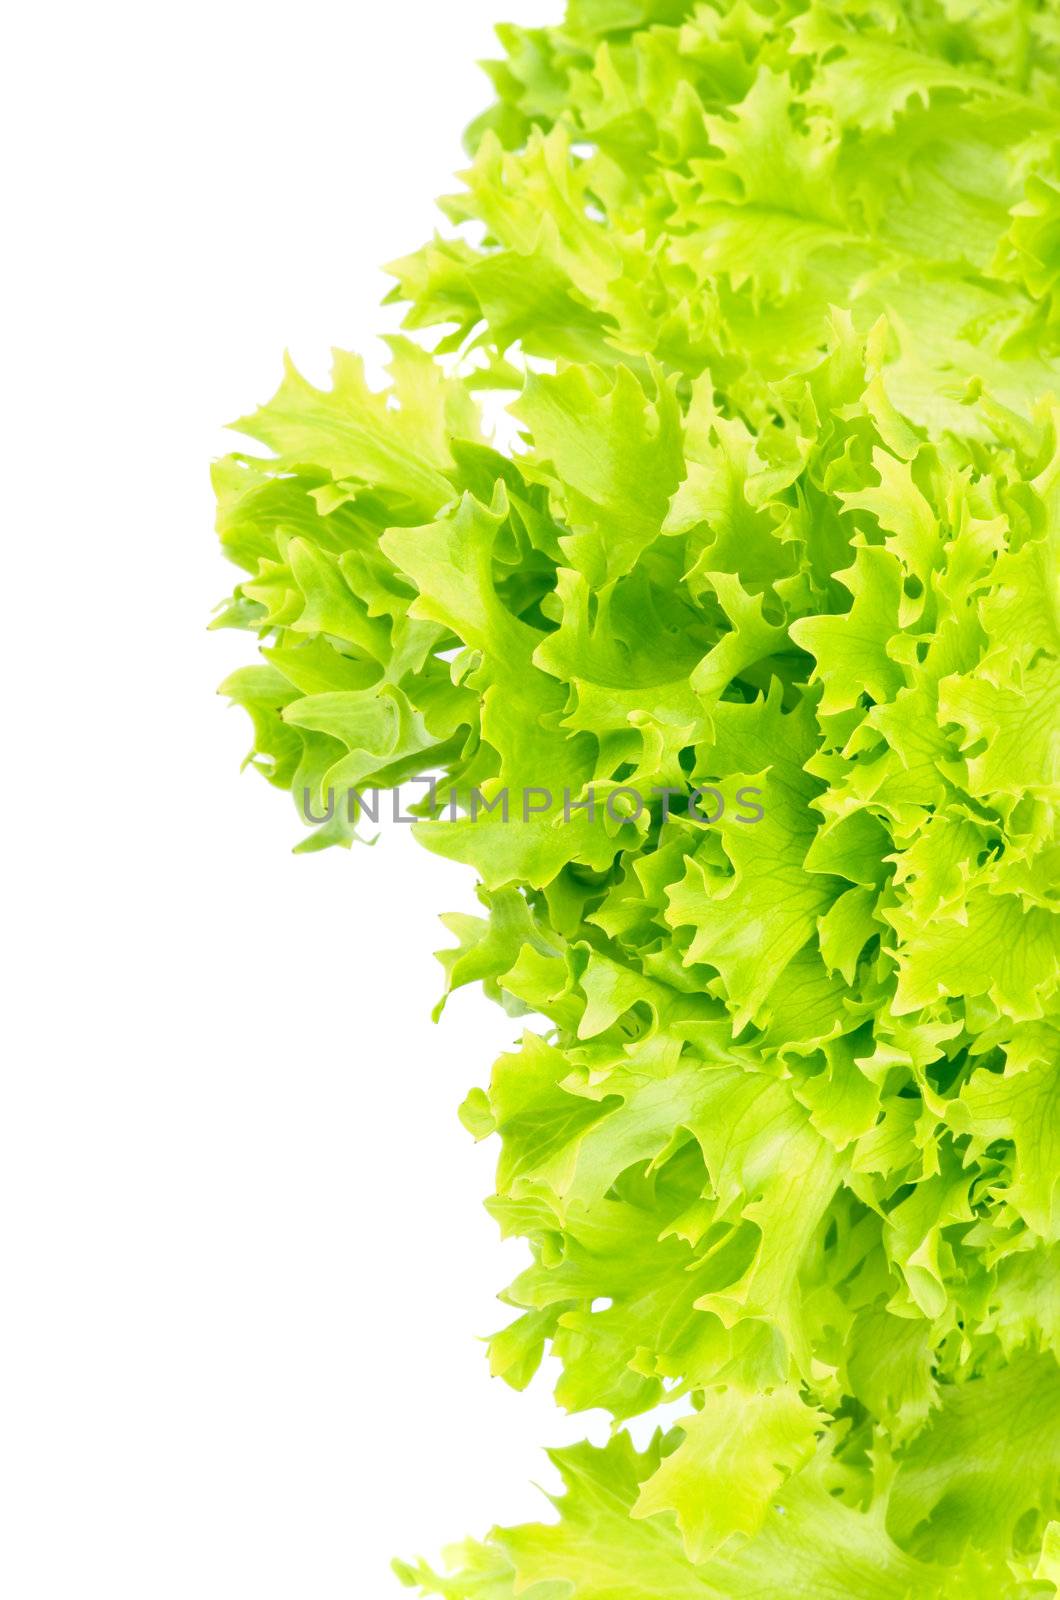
pixel 783 282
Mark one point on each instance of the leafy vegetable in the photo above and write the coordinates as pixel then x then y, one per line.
pixel 776 284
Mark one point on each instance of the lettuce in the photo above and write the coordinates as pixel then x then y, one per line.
pixel 772 292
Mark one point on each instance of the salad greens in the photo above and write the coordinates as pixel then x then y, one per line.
pixel 772 291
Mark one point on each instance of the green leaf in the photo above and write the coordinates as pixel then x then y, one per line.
pixel 989 1456
pixel 733 1457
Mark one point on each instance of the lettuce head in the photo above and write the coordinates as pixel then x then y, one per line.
pixel 767 296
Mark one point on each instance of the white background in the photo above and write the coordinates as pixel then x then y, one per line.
pixel 243 1256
